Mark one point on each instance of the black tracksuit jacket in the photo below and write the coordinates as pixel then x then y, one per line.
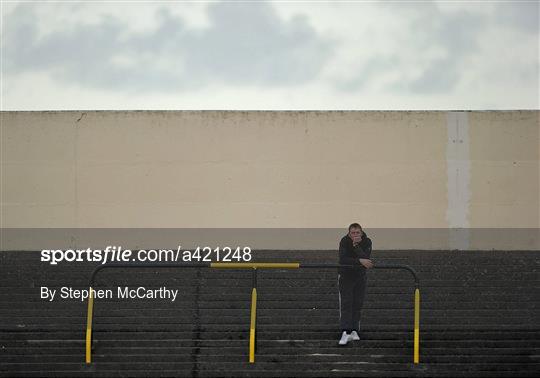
pixel 350 255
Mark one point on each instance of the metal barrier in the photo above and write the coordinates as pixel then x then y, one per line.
pixel 254 266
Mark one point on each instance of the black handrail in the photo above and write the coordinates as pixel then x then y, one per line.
pixel 208 265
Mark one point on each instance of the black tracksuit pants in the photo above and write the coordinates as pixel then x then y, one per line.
pixel 352 291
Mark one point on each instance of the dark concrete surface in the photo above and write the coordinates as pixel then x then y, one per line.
pixel 479 318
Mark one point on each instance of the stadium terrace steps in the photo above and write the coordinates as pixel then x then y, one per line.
pixel 479 318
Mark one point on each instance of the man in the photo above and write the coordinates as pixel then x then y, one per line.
pixel 354 249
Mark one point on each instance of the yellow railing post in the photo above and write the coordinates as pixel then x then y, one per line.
pixel 89 328
pixel 252 325
pixel 416 325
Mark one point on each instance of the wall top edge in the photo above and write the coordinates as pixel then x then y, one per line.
pixel 269 111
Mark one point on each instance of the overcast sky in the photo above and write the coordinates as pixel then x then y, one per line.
pixel 377 55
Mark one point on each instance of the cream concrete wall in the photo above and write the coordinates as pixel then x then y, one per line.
pixel 230 169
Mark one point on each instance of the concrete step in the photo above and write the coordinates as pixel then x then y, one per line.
pixel 478 319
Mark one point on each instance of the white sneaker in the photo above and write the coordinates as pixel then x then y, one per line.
pixel 345 338
pixel 355 335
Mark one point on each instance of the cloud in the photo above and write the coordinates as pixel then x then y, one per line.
pixel 456 34
pixel 524 16
pixel 244 44
pixel 426 49
pixel 370 71
pixel 419 55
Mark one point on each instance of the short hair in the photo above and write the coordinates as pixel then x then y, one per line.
pixel 354 225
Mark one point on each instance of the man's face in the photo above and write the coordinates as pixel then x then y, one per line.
pixel 355 234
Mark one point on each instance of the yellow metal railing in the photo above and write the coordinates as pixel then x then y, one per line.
pixel 252 325
pixel 416 325
pixel 254 266
pixel 89 327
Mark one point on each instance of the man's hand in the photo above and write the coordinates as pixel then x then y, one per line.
pixel 367 263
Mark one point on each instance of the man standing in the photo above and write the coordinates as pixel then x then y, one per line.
pixel 354 249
